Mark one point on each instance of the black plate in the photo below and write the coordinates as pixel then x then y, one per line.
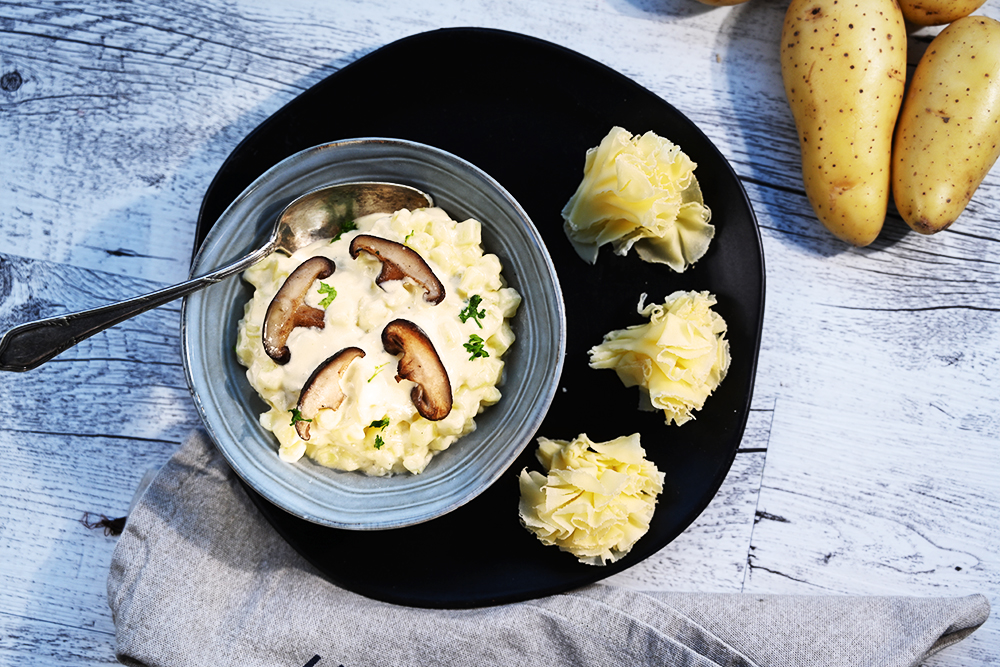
pixel 526 111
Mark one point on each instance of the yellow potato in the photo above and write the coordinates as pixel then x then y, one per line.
pixel 843 65
pixel 949 129
pixel 937 12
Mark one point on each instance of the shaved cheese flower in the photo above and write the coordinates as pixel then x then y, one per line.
pixel 596 499
pixel 677 359
pixel 639 191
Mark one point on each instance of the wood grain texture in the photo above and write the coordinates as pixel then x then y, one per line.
pixel 871 460
pixel 33 641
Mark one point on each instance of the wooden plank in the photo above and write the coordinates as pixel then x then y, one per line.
pixel 76 435
pixel 122 120
pixel 33 642
pixel 55 568
pixel 907 514
pixel 882 470
pixel 127 381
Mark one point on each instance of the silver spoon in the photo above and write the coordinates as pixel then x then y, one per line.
pixel 315 215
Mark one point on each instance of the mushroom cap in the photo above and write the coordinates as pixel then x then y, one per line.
pixel 420 363
pixel 288 309
pixel 398 262
pixel 322 389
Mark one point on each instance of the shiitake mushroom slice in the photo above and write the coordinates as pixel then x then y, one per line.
pixel 421 364
pixel 288 309
pixel 398 262
pixel 322 389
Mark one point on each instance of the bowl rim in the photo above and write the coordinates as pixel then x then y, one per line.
pixel 285 494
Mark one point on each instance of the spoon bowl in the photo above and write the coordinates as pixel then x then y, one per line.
pixel 318 214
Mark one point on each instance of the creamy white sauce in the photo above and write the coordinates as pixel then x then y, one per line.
pixel 345 438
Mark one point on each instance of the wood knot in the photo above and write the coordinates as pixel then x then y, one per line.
pixel 11 81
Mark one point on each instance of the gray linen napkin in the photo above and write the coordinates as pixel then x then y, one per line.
pixel 200 578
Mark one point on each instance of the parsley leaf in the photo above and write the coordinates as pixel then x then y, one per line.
pixel 379 442
pixel 331 293
pixel 297 417
pixel 347 225
pixel 378 369
pixel 381 423
pixel 475 346
pixel 470 311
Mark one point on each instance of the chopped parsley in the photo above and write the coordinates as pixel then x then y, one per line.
pixel 331 293
pixel 407 239
pixel 379 442
pixel 475 347
pixel 297 417
pixel 381 423
pixel 347 225
pixel 470 311
pixel 378 369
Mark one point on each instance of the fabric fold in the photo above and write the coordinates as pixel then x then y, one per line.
pixel 199 577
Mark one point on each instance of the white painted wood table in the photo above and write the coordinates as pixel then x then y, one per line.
pixel 871 462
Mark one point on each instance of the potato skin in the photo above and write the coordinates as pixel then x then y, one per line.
pixel 937 12
pixel 844 65
pixel 948 135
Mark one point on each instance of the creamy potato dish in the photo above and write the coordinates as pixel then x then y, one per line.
pixel 377 349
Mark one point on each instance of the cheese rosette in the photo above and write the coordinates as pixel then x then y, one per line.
pixel 596 498
pixel 377 429
pixel 639 191
pixel 677 359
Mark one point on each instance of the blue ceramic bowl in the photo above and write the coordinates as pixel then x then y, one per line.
pixel 230 407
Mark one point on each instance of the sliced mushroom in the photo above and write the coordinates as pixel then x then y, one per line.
pixel 421 364
pixel 322 389
pixel 399 262
pixel 288 308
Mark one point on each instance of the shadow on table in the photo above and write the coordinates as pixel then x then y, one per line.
pixel 765 153
pixel 750 37
pixel 672 9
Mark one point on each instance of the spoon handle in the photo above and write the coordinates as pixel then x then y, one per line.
pixel 31 344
